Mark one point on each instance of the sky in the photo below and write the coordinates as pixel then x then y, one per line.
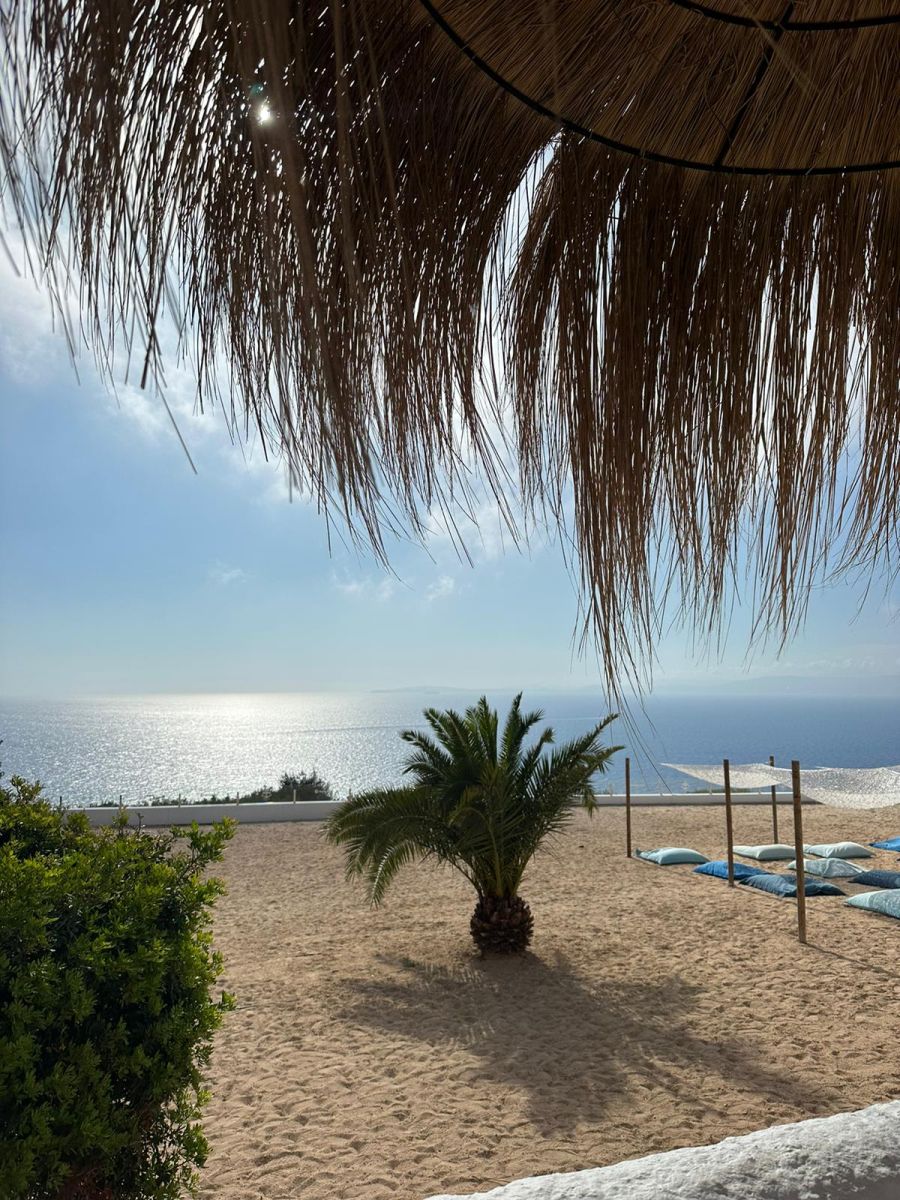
pixel 126 572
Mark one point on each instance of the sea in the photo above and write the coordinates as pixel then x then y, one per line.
pixel 190 747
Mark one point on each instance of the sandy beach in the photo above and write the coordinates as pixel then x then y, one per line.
pixel 372 1055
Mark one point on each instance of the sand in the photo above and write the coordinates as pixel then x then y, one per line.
pixel 850 1155
pixel 373 1055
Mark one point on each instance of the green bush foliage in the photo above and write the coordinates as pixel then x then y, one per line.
pixel 106 1012
pixel 301 788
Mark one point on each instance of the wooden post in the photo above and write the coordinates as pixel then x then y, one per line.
pixel 774 805
pixel 798 852
pixel 628 807
pixel 729 827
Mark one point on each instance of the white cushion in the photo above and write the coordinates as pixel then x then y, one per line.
pixel 887 903
pixel 765 853
pixel 828 868
pixel 839 850
pixel 671 855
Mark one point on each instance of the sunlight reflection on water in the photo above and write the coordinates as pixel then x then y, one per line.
pixel 197 745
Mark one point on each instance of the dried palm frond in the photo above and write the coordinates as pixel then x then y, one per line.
pixel 657 240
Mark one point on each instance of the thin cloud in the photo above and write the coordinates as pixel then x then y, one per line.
pixel 34 351
pixel 481 534
pixel 224 575
pixel 31 349
pixel 440 589
pixel 379 590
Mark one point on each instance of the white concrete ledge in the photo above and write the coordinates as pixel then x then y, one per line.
pixel 853 1156
pixel 205 814
pixel 321 810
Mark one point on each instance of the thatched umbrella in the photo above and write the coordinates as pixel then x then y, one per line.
pixel 654 242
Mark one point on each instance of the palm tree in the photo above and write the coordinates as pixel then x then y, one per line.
pixel 480 800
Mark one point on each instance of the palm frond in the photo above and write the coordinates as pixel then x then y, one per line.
pixel 451 732
pixel 516 728
pixel 431 763
pixel 372 825
pixel 482 725
pixel 532 756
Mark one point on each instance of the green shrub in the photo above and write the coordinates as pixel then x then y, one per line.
pixel 302 787
pixel 106 1016
pixel 290 787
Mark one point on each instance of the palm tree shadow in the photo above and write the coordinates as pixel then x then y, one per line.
pixel 569 1046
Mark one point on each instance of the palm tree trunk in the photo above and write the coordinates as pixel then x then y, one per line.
pixel 501 925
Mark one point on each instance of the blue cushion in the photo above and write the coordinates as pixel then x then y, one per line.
pixel 720 870
pixel 816 887
pixel 786 885
pixel 765 853
pixel 878 879
pixel 886 903
pixel 778 885
pixel 671 855
pixel 888 844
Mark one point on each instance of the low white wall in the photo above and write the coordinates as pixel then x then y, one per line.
pixel 853 1156
pixel 205 814
pixel 320 810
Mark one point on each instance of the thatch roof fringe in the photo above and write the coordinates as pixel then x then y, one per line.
pixel 396 258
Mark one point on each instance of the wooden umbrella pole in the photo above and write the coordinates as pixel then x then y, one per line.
pixel 774 805
pixel 628 807
pixel 798 852
pixel 729 826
